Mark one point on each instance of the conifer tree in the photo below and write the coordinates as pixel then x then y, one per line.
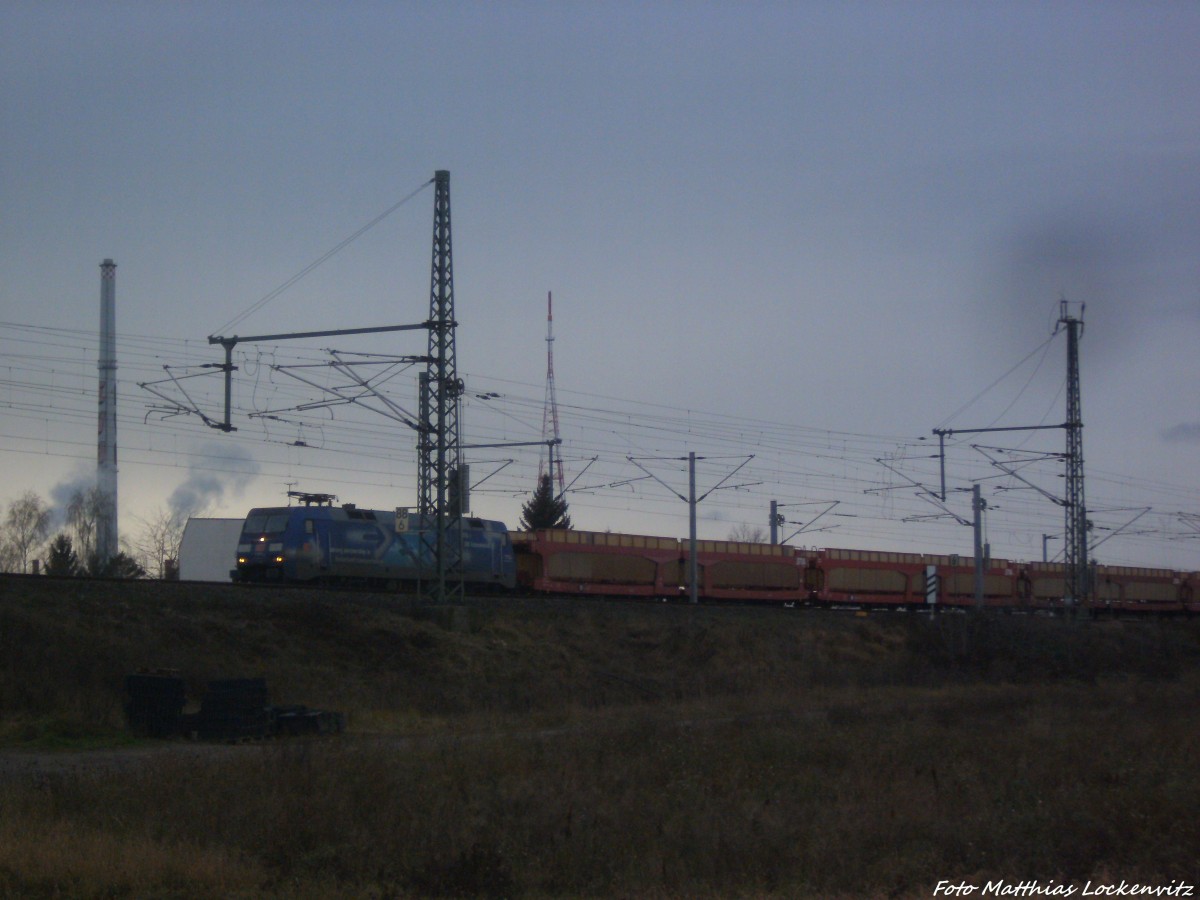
pixel 62 558
pixel 544 510
pixel 120 566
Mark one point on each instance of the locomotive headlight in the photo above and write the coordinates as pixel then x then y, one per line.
pixel 241 560
pixel 279 559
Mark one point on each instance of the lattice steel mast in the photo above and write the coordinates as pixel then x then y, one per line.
pixel 1076 536
pixel 1077 578
pixel 550 412
pixel 441 480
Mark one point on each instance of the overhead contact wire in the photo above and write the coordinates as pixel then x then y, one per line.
pixel 329 254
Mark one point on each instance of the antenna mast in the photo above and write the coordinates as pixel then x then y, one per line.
pixel 550 410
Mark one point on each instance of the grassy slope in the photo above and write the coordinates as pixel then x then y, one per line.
pixel 591 749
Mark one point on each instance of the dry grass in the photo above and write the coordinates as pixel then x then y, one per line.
pixel 42 856
pixel 856 792
pixel 597 751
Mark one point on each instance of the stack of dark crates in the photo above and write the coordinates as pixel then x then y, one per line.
pixel 155 704
pixel 234 709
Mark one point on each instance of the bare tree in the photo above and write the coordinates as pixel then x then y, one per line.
pixel 158 542
pixel 10 561
pixel 748 534
pixel 83 516
pixel 27 525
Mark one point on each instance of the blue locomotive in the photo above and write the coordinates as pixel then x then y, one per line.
pixel 348 545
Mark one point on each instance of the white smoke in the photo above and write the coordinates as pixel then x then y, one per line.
pixel 63 494
pixel 221 470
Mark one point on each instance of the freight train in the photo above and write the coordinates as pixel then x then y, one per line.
pixel 346 545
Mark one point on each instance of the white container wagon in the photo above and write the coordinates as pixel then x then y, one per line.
pixel 208 550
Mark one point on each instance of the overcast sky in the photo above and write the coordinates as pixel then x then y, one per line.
pixel 806 231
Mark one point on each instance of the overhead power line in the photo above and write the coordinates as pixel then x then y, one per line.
pixel 47 401
pixel 323 258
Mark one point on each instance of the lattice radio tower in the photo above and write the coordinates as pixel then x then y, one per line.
pixel 554 465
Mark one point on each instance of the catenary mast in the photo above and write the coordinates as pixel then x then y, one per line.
pixel 442 480
pixel 1076 537
pixel 1076 577
pixel 550 434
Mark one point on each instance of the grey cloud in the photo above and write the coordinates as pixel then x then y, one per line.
pixel 1184 432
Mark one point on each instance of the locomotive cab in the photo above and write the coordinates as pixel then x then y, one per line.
pixel 260 549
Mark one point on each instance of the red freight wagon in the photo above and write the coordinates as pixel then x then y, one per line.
pixel 762 573
pixel 911 580
pixel 585 562
pixel 1138 590
pixel 1004 585
pixel 868 577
